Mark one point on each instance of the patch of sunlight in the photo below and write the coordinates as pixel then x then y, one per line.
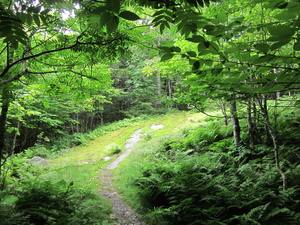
pixel 97 149
pixel 82 164
pixel 93 152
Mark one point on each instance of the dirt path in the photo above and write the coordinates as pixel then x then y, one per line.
pixel 122 213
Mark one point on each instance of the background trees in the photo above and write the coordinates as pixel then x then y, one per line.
pixel 243 53
pixel 68 66
pixel 49 53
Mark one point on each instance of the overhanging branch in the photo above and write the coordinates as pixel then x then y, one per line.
pixel 16 77
pixel 8 67
pixel 83 75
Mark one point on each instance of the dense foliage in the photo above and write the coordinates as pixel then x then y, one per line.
pixel 201 178
pixel 30 198
pixel 45 202
pixel 67 67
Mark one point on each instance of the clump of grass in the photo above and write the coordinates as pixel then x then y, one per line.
pixel 114 149
pixel 147 136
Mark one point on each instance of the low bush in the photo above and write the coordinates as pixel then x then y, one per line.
pixel 189 192
pixel 38 201
pixel 114 149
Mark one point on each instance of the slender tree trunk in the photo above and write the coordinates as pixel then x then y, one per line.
pixel 101 118
pixel 77 125
pixel 222 105
pixel 264 109
pixel 170 88
pixel 13 146
pixel 273 132
pixel 170 91
pixel 92 121
pixel 159 94
pixel 251 124
pixel 3 118
pixel 235 123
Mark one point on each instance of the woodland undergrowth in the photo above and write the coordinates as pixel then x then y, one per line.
pixel 198 176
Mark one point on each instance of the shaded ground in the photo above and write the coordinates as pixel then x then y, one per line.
pixel 122 213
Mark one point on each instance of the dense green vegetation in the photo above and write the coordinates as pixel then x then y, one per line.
pixel 198 176
pixel 68 67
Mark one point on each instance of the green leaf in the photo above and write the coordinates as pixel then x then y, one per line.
pixel 285 16
pixel 22 17
pixel 222 17
pixel 260 80
pixel 262 47
pixel 216 71
pixel 112 23
pixel 99 10
pixel 21 34
pixel 158 19
pixel 161 28
pixel 129 15
pixel 279 44
pixel 196 39
pixel 44 19
pixel 166 57
pixel 297 46
pixel 159 13
pixel 275 211
pixel 209 62
pixel 201 47
pixel 277 4
pixel 104 18
pixel 175 49
pixel 36 20
pixel 263 59
pixel 165 49
pixel 196 65
pixel 215 47
pixel 113 5
pixel 192 53
pixel 29 19
pixel 14 43
pixel 281 31
pixel 232 50
pixel 207 44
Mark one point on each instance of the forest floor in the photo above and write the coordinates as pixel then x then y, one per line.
pixel 81 164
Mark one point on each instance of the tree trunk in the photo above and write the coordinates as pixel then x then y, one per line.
pixel 222 105
pixel 251 124
pixel 159 94
pixel 170 88
pixel 235 123
pixel 3 118
pixel 273 133
pixel 14 141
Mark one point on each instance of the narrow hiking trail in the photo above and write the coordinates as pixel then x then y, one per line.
pixel 122 213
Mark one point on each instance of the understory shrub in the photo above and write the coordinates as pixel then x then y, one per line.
pixel 38 201
pixel 189 192
pixel 206 134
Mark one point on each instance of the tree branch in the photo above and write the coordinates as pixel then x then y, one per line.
pixel 16 77
pixel 83 75
pixel 8 67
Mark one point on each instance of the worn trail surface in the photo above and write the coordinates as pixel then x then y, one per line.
pixel 122 213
